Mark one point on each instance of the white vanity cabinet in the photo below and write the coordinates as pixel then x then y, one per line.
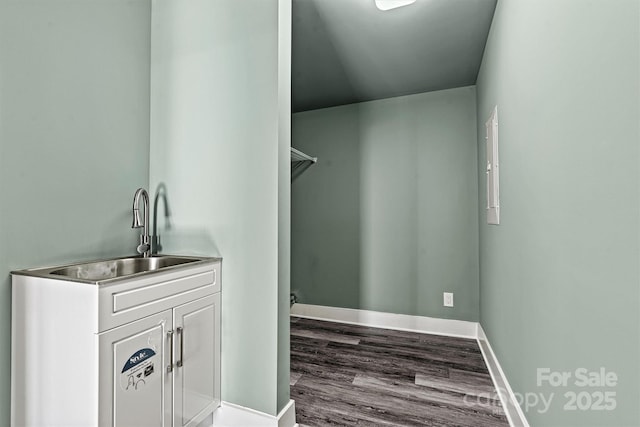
pixel 134 351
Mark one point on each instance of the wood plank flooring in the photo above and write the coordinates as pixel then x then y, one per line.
pixel 347 375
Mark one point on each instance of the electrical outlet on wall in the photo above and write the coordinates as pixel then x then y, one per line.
pixel 448 299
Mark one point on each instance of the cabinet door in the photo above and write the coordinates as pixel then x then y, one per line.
pixel 197 349
pixel 135 384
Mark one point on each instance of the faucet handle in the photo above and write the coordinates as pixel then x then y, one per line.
pixel 144 247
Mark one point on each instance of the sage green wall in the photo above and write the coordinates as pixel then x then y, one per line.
pixel 559 276
pixel 215 143
pixel 387 218
pixel 74 115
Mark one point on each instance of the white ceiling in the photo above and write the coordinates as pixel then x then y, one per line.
pixel 347 51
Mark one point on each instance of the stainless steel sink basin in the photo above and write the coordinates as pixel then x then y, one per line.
pixel 120 267
pixel 113 269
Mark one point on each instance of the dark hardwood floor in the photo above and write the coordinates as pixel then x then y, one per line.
pixel 347 375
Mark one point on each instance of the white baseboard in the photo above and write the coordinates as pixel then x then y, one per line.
pixel 427 325
pixel 232 415
pixel 507 397
pixel 402 322
pixel 287 417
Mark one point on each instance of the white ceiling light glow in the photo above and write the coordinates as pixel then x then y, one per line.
pixel 392 4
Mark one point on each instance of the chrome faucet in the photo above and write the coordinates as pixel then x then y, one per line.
pixel 161 192
pixel 144 248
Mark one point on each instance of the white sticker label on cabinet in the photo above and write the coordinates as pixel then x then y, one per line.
pixel 138 370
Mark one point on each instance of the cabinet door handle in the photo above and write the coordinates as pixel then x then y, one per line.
pixel 170 336
pixel 180 332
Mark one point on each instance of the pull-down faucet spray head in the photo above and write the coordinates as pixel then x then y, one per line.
pixel 144 247
pixel 137 221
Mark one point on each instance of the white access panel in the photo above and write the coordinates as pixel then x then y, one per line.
pixel 493 170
